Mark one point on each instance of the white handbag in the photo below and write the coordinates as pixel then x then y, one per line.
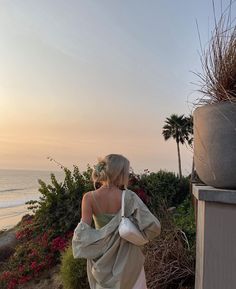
pixel 128 230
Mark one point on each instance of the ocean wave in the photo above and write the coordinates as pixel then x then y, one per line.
pixel 15 203
pixel 13 214
pixel 12 190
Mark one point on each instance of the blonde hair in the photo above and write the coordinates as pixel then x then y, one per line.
pixel 113 169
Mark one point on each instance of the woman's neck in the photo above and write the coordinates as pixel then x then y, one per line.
pixel 109 186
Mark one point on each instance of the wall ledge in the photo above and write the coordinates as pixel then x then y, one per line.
pixel 211 194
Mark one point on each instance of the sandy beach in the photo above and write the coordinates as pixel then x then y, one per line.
pixel 9 217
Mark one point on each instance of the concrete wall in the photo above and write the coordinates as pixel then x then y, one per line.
pixel 216 238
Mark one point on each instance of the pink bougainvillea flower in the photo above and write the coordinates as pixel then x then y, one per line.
pixel 33 265
pixel 12 284
pixel 6 275
pixel 21 268
pixel 58 244
pixel 24 279
pixel 34 253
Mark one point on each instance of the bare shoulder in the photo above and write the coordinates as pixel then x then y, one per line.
pixel 87 196
pixel 86 208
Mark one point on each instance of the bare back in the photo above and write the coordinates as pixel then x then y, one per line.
pixel 106 200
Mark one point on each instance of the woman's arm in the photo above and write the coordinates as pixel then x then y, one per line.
pixel 86 209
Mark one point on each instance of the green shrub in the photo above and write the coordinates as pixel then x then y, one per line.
pixel 33 254
pixel 185 220
pixel 59 206
pixel 73 271
pixel 165 189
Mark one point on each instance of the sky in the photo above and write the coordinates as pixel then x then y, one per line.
pixel 80 79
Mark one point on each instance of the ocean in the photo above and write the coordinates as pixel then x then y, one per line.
pixel 18 187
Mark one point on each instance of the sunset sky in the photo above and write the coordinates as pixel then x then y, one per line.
pixel 81 79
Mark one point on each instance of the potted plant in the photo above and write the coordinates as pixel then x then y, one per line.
pixel 215 117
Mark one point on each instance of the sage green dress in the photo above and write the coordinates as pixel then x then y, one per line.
pixel 101 219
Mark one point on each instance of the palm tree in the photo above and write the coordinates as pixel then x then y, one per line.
pixel 180 129
pixel 189 130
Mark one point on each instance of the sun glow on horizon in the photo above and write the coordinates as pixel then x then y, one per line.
pixel 83 79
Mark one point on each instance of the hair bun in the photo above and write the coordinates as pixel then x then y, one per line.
pixel 99 167
pixel 112 169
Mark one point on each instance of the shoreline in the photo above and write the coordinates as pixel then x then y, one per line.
pixel 3 232
pixel 11 216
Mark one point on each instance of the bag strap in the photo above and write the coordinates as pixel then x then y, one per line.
pixel 123 204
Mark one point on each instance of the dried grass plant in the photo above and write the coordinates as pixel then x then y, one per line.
pixel 169 263
pixel 218 60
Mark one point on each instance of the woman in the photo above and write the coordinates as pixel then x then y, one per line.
pixel 112 262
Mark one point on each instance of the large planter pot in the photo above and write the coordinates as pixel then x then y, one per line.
pixel 215 144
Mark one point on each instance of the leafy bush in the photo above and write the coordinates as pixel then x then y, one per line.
pixel 35 253
pixel 59 206
pixel 185 220
pixel 164 189
pixel 138 185
pixel 73 271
